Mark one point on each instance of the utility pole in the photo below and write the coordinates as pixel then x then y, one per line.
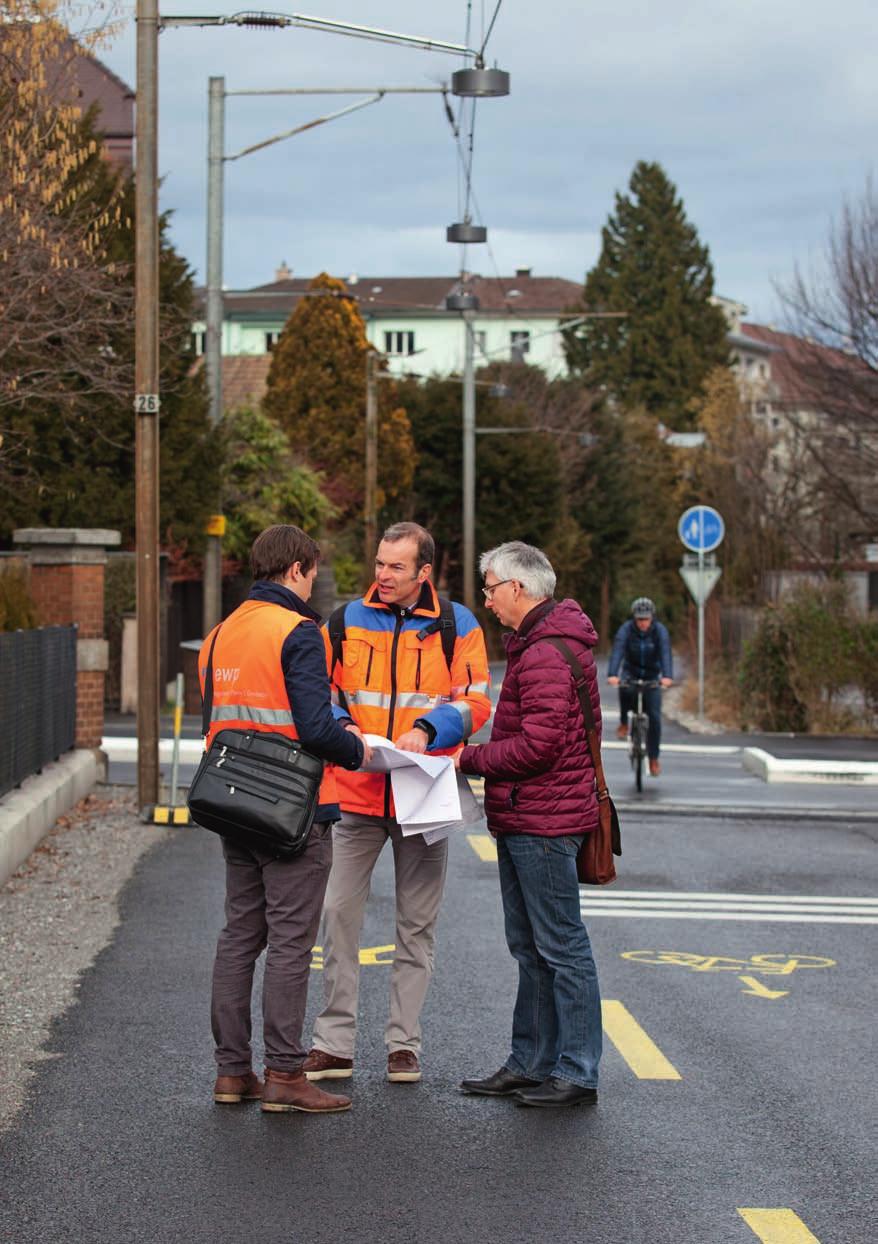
pixel 469 462
pixel 146 402
pixel 370 503
pixel 213 363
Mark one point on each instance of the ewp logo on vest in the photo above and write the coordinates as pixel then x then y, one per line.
pixel 226 674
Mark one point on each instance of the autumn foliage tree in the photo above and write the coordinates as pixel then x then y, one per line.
pixel 317 394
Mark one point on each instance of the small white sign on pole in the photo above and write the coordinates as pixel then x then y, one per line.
pixel 700 582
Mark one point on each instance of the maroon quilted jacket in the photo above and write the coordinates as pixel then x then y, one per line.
pixel 538 773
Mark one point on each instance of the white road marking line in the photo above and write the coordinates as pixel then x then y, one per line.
pixel 712 896
pixel 768 917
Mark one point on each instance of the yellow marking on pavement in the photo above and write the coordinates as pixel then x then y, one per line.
pixel 759 990
pixel 640 1052
pixel 778 1226
pixel 368 957
pixel 484 846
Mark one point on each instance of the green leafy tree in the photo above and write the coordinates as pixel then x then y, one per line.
pixel 263 483
pixel 518 476
pixel 76 461
pixel 656 275
pixel 317 394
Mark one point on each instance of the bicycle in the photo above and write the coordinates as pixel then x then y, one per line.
pixel 638 728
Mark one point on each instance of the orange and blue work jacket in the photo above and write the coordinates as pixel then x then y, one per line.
pixel 390 679
pixel 269 674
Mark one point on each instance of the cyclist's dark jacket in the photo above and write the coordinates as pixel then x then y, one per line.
pixel 645 655
pixel 539 778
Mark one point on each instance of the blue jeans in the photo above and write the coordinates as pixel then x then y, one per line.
pixel 652 706
pixel 556 1025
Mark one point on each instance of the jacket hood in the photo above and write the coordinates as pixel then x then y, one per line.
pixel 567 621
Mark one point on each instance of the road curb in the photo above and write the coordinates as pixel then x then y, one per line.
pixel 29 812
pixel 834 772
pixel 634 807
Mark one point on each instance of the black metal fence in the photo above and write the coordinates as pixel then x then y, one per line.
pixel 37 700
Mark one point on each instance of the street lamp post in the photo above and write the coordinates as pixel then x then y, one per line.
pixel 475 81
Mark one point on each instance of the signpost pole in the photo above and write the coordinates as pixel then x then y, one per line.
pixel 701 634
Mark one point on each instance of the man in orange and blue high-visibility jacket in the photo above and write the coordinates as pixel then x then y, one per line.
pixel 392 679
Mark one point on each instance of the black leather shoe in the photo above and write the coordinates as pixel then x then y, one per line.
pixel 556 1092
pixel 499 1084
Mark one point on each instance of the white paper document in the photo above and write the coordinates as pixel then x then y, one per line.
pixel 430 796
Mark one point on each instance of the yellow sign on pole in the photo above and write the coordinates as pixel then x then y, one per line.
pixel 215 525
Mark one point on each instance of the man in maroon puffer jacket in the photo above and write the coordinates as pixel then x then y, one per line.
pixel 540 802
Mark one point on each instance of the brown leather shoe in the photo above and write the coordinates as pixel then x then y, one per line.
pixel 322 1066
pixel 654 768
pixel 621 731
pixel 231 1089
pixel 403 1067
pixel 289 1090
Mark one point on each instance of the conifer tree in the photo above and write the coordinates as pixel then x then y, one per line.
pixel 654 270
pixel 317 394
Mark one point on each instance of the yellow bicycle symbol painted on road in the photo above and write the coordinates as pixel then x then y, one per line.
pixel 762 965
pixel 747 970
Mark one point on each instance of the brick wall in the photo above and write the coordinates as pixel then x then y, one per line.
pixel 67 585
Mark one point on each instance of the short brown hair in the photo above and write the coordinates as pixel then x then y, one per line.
pixel 420 535
pixel 276 548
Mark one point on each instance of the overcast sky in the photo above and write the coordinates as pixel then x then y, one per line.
pixel 762 112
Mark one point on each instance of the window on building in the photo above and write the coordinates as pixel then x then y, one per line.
pixel 399 342
pixel 519 344
pixel 271 340
pixel 481 340
pixel 198 342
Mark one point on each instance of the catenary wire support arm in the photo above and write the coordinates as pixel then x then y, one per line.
pixel 281 20
pixel 309 125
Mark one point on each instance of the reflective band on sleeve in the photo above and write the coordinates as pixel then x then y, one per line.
pixel 465 711
pixel 243 712
pixel 480 687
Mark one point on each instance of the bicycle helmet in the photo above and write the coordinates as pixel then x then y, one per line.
pixel 643 607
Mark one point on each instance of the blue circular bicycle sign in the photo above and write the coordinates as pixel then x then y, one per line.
pixel 701 529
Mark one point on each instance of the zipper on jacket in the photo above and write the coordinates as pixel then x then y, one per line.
pixel 469 677
pixel 392 710
pixel 369 666
pixel 418 673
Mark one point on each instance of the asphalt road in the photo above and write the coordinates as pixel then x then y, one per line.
pixel 759 1021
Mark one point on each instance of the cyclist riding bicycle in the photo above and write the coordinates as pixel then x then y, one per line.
pixel 642 650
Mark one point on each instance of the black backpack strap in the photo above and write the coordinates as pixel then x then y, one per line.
pixel 446 624
pixel 337 630
pixel 207 697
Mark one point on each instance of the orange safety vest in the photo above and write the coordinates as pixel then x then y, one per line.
pixel 388 677
pixel 249 690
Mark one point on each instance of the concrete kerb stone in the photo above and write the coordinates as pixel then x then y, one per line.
pixel 834 772
pixel 29 812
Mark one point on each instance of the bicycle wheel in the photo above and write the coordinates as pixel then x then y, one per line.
pixel 637 750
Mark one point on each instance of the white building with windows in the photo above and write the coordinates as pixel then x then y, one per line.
pixel 519 317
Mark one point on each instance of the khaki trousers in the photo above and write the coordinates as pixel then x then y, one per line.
pixel 357 842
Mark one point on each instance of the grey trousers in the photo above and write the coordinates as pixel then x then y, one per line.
pixel 273 903
pixel 420 880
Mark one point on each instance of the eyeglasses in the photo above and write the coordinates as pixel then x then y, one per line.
pixel 489 591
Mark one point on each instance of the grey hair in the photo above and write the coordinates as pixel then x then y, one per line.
pixel 529 566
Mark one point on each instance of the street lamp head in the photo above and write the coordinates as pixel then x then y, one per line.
pixel 462 300
pixel 465 232
pixel 480 83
